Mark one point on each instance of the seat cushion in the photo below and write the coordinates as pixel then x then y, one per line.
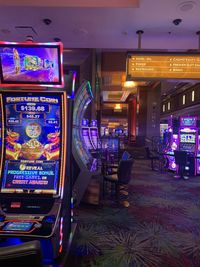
pixel 111 178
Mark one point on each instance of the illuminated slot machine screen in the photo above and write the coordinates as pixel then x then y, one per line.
pixel 86 137
pixel 110 144
pixel 188 138
pixel 187 142
pixel 118 131
pixel 94 136
pixel 34 130
pixel 29 64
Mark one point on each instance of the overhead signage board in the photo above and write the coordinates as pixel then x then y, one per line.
pixel 159 66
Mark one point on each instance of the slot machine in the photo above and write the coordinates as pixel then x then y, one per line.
pixel 0 136
pixel 171 144
pixel 110 149
pixel 94 134
pixel 35 186
pixel 198 157
pixel 188 141
pixel 84 164
pixel 86 135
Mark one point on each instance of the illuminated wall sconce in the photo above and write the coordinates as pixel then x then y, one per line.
pixel 163 108
pixel 183 99
pixel 193 96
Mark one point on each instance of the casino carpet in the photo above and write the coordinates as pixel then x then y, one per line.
pixel 160 228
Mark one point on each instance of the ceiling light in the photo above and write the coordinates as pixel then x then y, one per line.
pixel 186 6
pixel 117 108
pixel 129 84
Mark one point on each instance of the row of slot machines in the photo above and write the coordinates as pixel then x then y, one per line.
pixel 114 132
pixel 105 144
pixel 183 135
pixel 90 134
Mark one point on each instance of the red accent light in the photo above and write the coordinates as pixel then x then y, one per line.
pixel 15 205
pixel 60 249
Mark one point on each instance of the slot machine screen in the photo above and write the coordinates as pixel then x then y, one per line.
pixel 31 64
pixel 18 226
pixel 33 142
pixel 187 138
pixel 110 144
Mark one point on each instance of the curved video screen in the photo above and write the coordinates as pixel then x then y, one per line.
pixel 32 143
pixel 31 64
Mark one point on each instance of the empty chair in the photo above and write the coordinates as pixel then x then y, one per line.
pixel 112 168
pixel 119 178
pixel 153 156
pixel 27 254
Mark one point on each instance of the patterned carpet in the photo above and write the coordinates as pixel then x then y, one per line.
pixel 160 228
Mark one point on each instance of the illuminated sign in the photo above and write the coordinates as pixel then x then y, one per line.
pixel 188 121
pixel 163 66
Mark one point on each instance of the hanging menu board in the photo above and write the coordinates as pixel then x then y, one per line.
pixel 143 66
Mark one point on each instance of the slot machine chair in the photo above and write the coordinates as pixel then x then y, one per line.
pixel 120 178
pixel 22 255
pixel 108 168
pixel 181 158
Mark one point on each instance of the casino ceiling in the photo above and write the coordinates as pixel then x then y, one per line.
pixel 105 26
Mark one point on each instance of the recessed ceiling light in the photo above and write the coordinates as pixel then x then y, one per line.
pixel 187 6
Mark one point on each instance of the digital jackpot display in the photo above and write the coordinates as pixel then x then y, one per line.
pixel 31 64
pixel 162 66
pixel 33 142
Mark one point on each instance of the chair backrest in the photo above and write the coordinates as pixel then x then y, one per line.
pixel 124 171
pixel 180 157
pixel 147 152
pixel 27 254
pixel 126 155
